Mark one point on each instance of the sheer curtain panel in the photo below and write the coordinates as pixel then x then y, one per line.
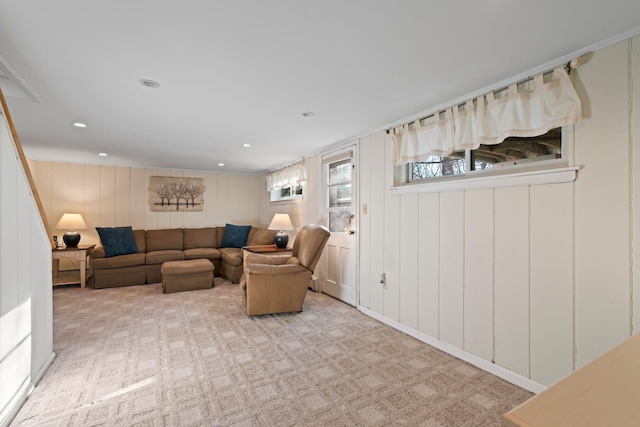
pixel 286 176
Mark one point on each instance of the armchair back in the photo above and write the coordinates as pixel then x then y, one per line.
pixel 309 244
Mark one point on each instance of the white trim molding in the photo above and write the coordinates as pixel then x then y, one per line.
pixel 485 365
pixel 534 177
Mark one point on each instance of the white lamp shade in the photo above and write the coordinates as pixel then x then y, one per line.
pixel 71 221
pixel 281 222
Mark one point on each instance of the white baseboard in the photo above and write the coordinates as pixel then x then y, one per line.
pixel 497 370
pixel 24 392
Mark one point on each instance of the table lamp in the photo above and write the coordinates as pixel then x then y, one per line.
pixel 281 222
pixel 71 222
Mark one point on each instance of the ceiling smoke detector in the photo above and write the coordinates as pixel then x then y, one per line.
pixel 149 83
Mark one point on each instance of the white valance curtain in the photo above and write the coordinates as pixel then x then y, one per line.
pixel 285 177
pixel 529 109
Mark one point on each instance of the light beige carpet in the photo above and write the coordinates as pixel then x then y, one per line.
pixel 135 356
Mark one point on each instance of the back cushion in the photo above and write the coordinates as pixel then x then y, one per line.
pixel 139 235
pixel 158 240
pixel 260 237
pixel 195 238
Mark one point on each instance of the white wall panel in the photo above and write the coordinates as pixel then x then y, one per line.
pixel 26 334
pixel 212 200
pixel 107 195
pixel 122 197
pixel 409 260
pixel 76 188
pixel 635 132
pixel 377 218
pixel 391 245
pixel 602 220
pixel 451 267
pixel 511 286
pixel 552 282
pixel 223 208
pixel 429 264
pixel 138 199
pixel 91 203
pixel 478 273
pixel 364 223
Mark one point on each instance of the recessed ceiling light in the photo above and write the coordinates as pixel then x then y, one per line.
pixel 246 145
pixel 102 154
pixel 149 83
pixel 308 114
pixel 220 164
pixel 80 125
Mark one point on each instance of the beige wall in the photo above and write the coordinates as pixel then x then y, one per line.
pixel 109 196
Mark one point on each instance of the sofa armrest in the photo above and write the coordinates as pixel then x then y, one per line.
pixel 98 252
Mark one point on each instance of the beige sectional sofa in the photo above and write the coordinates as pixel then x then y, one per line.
pixel 158 246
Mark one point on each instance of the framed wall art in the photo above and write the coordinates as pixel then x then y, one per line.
pixel 171 194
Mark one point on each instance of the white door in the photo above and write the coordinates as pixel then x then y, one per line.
pixel 340 280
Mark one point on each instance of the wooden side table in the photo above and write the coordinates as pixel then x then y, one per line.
pixel 80 253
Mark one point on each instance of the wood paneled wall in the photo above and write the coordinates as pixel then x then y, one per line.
pixel 536 279
pixel 109 196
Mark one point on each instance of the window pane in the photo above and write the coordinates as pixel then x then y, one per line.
pixel 340 196
pixel 515 151
pixel 340 221
pixel 436 166
pixel 340 171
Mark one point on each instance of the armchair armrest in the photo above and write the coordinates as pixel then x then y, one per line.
pixel 266 259
pixel 272 269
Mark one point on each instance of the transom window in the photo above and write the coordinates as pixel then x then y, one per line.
pixel 512 151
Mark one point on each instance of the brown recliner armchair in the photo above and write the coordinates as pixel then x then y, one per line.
pixel 276 284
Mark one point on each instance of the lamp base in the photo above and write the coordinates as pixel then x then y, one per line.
pixel 71 238
pixel 281 239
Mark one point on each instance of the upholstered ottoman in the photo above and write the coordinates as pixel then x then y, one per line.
pixel 178 276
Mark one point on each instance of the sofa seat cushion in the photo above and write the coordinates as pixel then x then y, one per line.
pixel 232 256
pixel 202 253
pixel 120 261
pixel 158 257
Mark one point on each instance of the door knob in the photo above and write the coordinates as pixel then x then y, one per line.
pixel 351 232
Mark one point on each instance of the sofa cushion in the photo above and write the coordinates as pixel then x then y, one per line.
pixel 159 240
pixel 205 253
pixel 158 257
pixel 117 240
pixel 261 237
pixel 140 243
pixel 235 236
pixel 130 260
pixel 231 256
pixel 200 238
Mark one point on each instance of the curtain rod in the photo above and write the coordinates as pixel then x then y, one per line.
pixel 571 65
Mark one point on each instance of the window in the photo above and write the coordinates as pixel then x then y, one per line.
pixel 339 195
pixel 291 192
pixel 511 152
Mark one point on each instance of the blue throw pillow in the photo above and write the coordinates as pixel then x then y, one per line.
pixel 235 236
pixel 117 240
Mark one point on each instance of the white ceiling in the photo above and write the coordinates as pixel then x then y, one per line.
pixel 242 71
